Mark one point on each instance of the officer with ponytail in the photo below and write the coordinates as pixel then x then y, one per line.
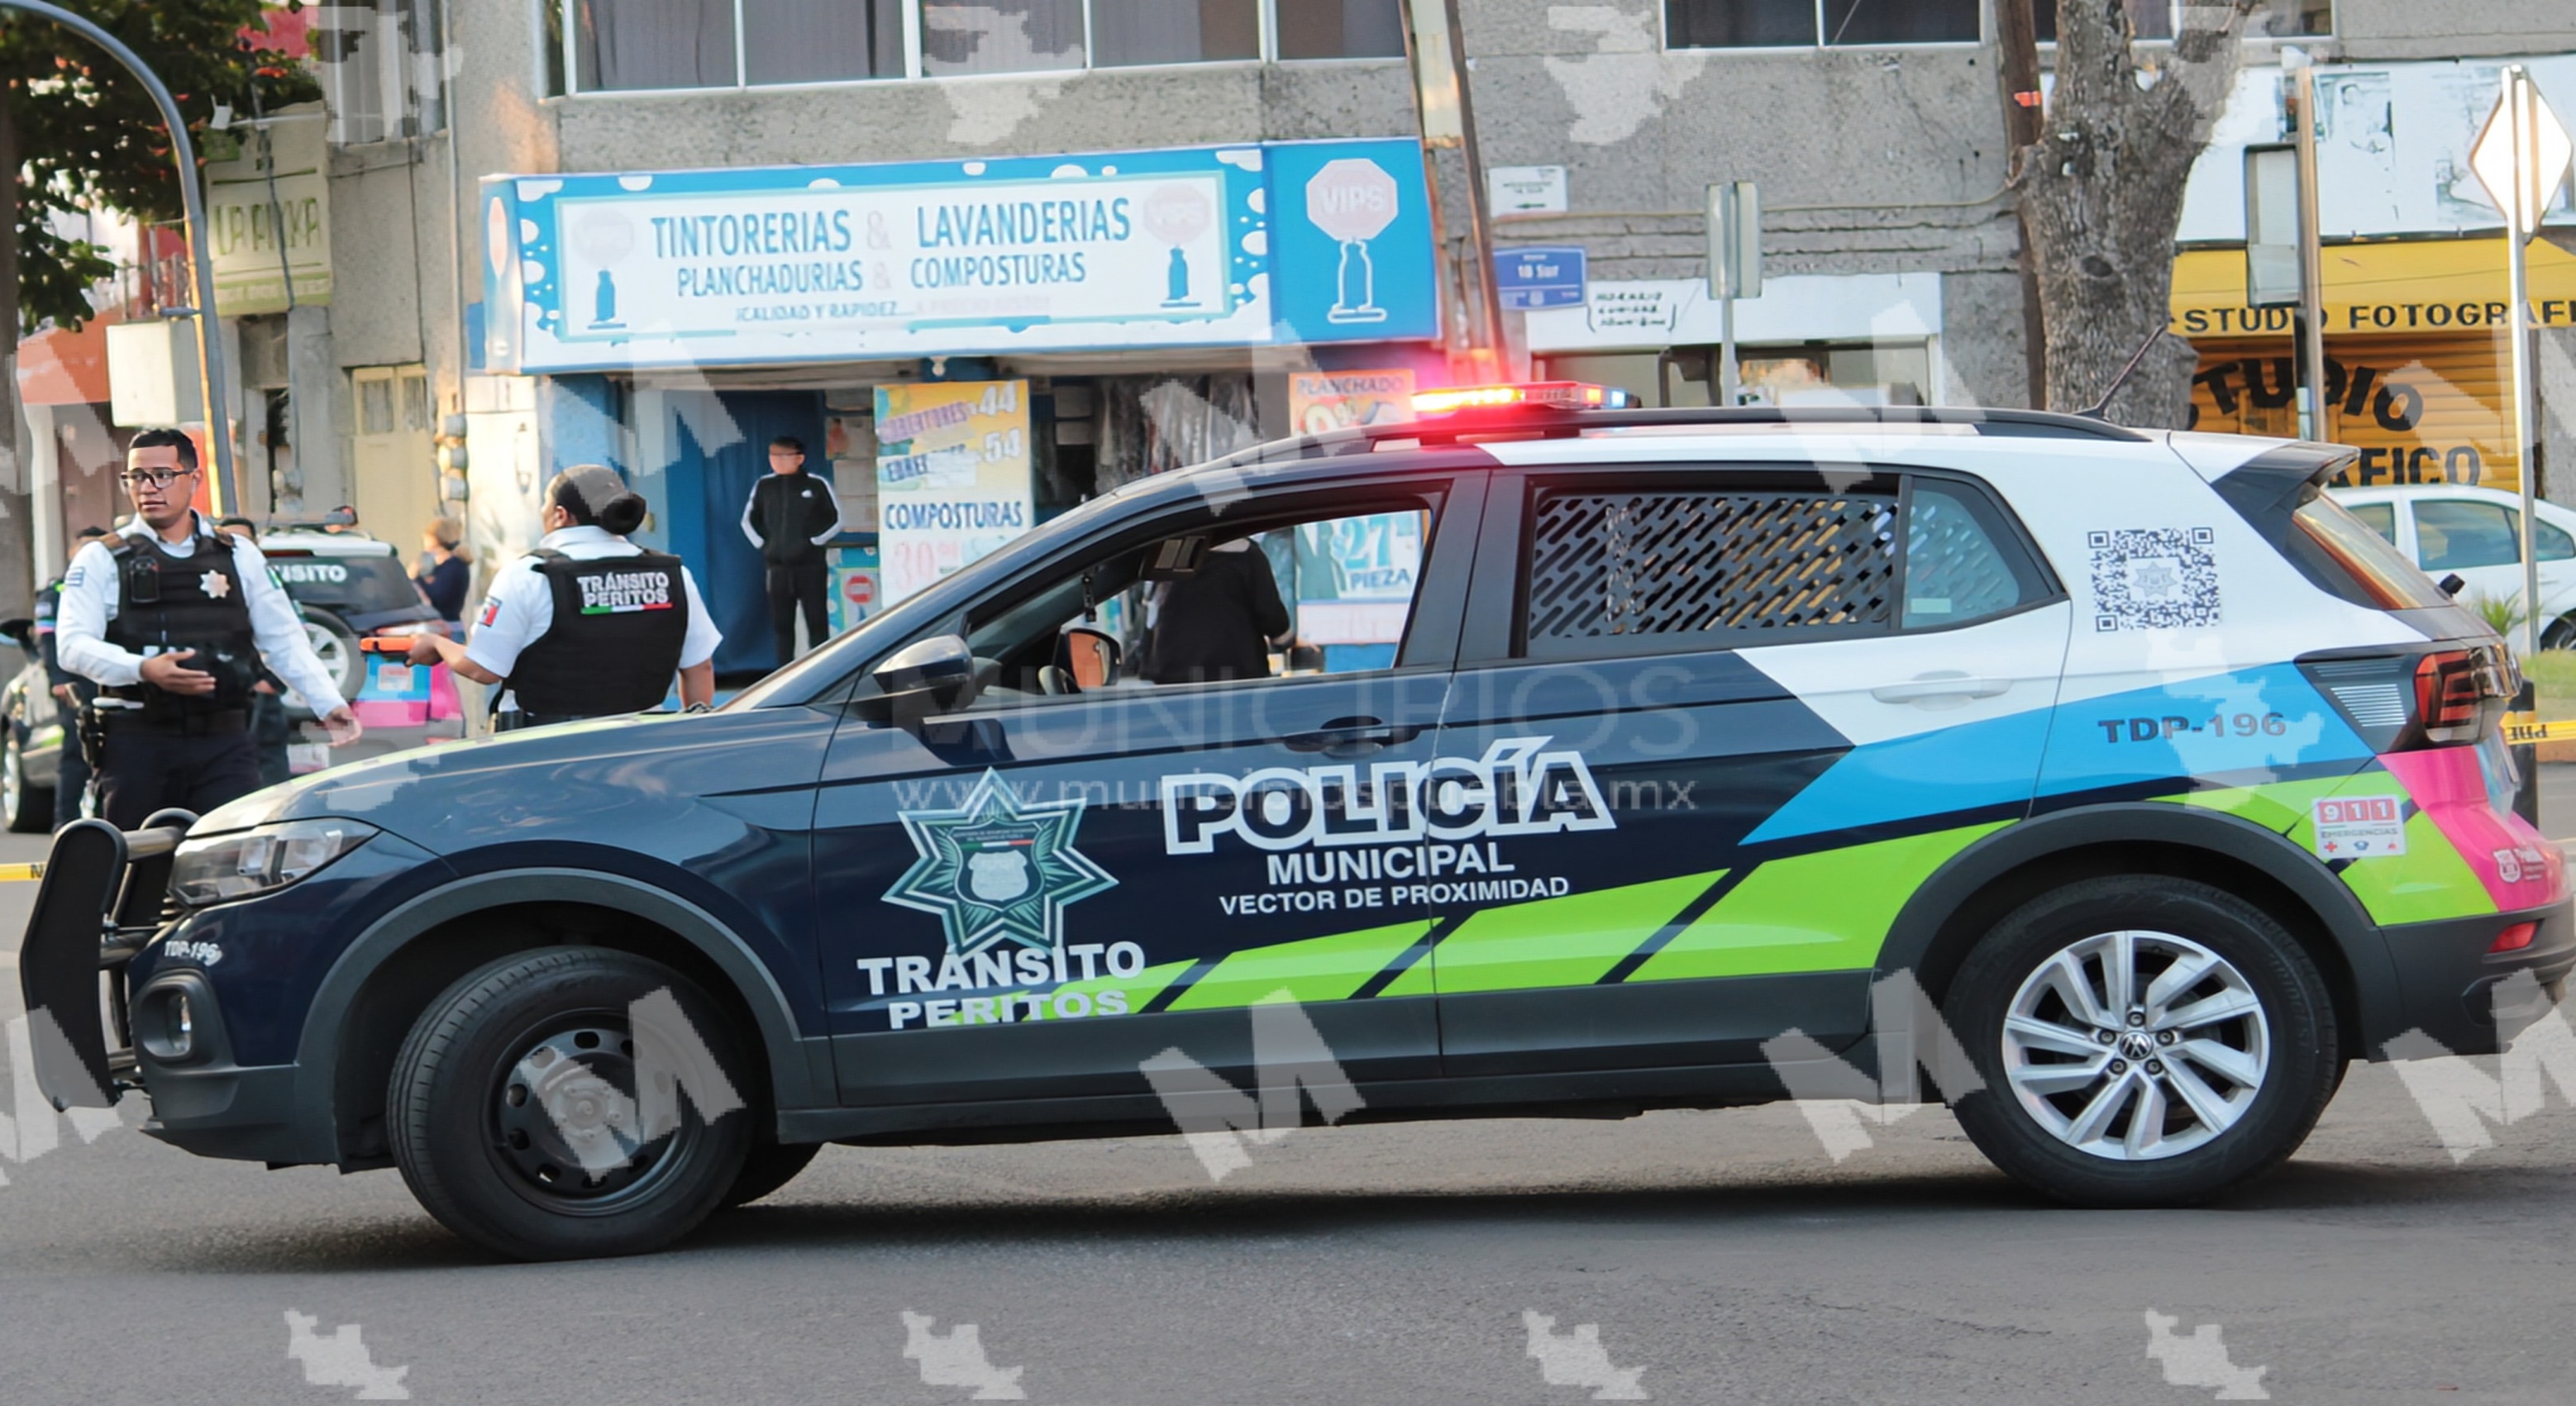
pixel 589 624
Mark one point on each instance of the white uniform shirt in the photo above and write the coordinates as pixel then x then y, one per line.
pixel 521 607
pixel 90 597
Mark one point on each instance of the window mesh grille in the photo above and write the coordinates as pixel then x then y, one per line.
pixel 1605 564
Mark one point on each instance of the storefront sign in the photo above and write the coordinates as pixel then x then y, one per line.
pixel 1332 400
pixel 1355 580
pixel 259 231
pixel 1276 243
pixel 952 477
pixel 2392 289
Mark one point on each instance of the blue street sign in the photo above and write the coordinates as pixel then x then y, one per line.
pixel 1534 278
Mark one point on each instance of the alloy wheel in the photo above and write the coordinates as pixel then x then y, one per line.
pixel 2136 1045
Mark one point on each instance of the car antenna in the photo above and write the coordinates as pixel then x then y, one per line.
pixel 2101 408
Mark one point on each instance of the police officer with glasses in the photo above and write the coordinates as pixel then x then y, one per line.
pixel 171 619
pixel 589 624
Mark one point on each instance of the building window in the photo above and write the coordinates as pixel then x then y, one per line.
pixel 1129 32
pixel 648 45
pixel 1000 36
pixel 2155 19
pixel 1772 24
pixel 821 41
pixel 1340 29
pixel 379 64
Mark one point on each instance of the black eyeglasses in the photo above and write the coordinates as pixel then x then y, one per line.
pixel 158 478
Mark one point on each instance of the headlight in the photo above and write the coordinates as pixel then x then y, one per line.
pixel 223 867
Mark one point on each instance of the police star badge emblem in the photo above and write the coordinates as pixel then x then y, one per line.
pixel 215 584
pixel 997 869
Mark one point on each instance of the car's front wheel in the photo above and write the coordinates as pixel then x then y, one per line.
pixel 29 810
pixel 514 1113
pixel 2142 1041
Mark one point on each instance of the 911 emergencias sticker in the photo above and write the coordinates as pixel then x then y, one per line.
pixel 2359 827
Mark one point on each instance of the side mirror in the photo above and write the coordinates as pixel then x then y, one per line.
pixel 2451 585
pixel 935 675
pixel 1089 656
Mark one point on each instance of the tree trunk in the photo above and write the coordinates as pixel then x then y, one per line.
pixel 17 520
pixel 2101 198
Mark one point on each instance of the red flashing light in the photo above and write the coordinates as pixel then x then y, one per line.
pixel 2515 938
pixel 1557 395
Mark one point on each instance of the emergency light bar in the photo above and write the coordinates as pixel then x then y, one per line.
pixel 1555 395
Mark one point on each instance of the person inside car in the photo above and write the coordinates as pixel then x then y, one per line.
pixel 1218 622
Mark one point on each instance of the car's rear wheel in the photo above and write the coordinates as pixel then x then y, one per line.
pixel 513 1109
pixel 28 809
pixel 2559 633
pixel 770 1166
pixel 2142 1041
pixel 336 645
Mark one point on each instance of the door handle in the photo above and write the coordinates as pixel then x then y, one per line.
pixel 1924 688
pixel 1340 735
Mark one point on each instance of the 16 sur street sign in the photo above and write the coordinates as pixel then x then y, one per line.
pixel 1539 277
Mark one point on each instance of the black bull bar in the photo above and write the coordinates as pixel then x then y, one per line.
pixel 101 899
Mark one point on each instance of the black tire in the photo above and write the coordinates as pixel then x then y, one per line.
pixel 30 809
pixel 2175 920
pixel 495 1155
pixel 770 1166
pixel 2558 634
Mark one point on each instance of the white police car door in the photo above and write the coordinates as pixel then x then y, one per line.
pixel 1036 896
pixel 1751 708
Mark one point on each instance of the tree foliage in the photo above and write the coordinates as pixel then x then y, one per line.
pixel 88 136
pixel 2101 198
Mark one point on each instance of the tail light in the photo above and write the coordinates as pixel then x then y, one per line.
pixel 2447 705
pixel 2408 702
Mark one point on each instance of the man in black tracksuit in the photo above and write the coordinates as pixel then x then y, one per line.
pixel 791 515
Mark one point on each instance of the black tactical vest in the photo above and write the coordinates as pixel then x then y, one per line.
pixel 194 602
pixel 615 642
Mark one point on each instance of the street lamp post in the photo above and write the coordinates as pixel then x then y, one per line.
pixel 212 378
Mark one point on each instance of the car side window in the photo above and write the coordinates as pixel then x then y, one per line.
pixel 2549 542
pixel 1961 563
pixel 2455 534
pixel 1325 593
pixel 1690 567
pixel 2379 517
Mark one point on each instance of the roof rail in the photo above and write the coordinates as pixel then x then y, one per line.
pixel 1531 422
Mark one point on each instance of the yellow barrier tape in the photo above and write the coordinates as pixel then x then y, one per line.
pixel 2523 729
pixel 21 873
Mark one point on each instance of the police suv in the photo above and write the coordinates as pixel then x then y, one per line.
pixel 1626 760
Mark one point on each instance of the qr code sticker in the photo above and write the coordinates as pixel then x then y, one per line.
pixel 2154 578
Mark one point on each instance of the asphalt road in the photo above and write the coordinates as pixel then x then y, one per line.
pixel 1724 1257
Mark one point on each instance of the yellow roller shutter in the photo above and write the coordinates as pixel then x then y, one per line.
pixel 2421 409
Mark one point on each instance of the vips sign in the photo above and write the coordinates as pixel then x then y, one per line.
pixel 1247 245
pixel 952 477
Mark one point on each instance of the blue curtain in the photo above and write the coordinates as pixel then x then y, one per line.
pixel 726 564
